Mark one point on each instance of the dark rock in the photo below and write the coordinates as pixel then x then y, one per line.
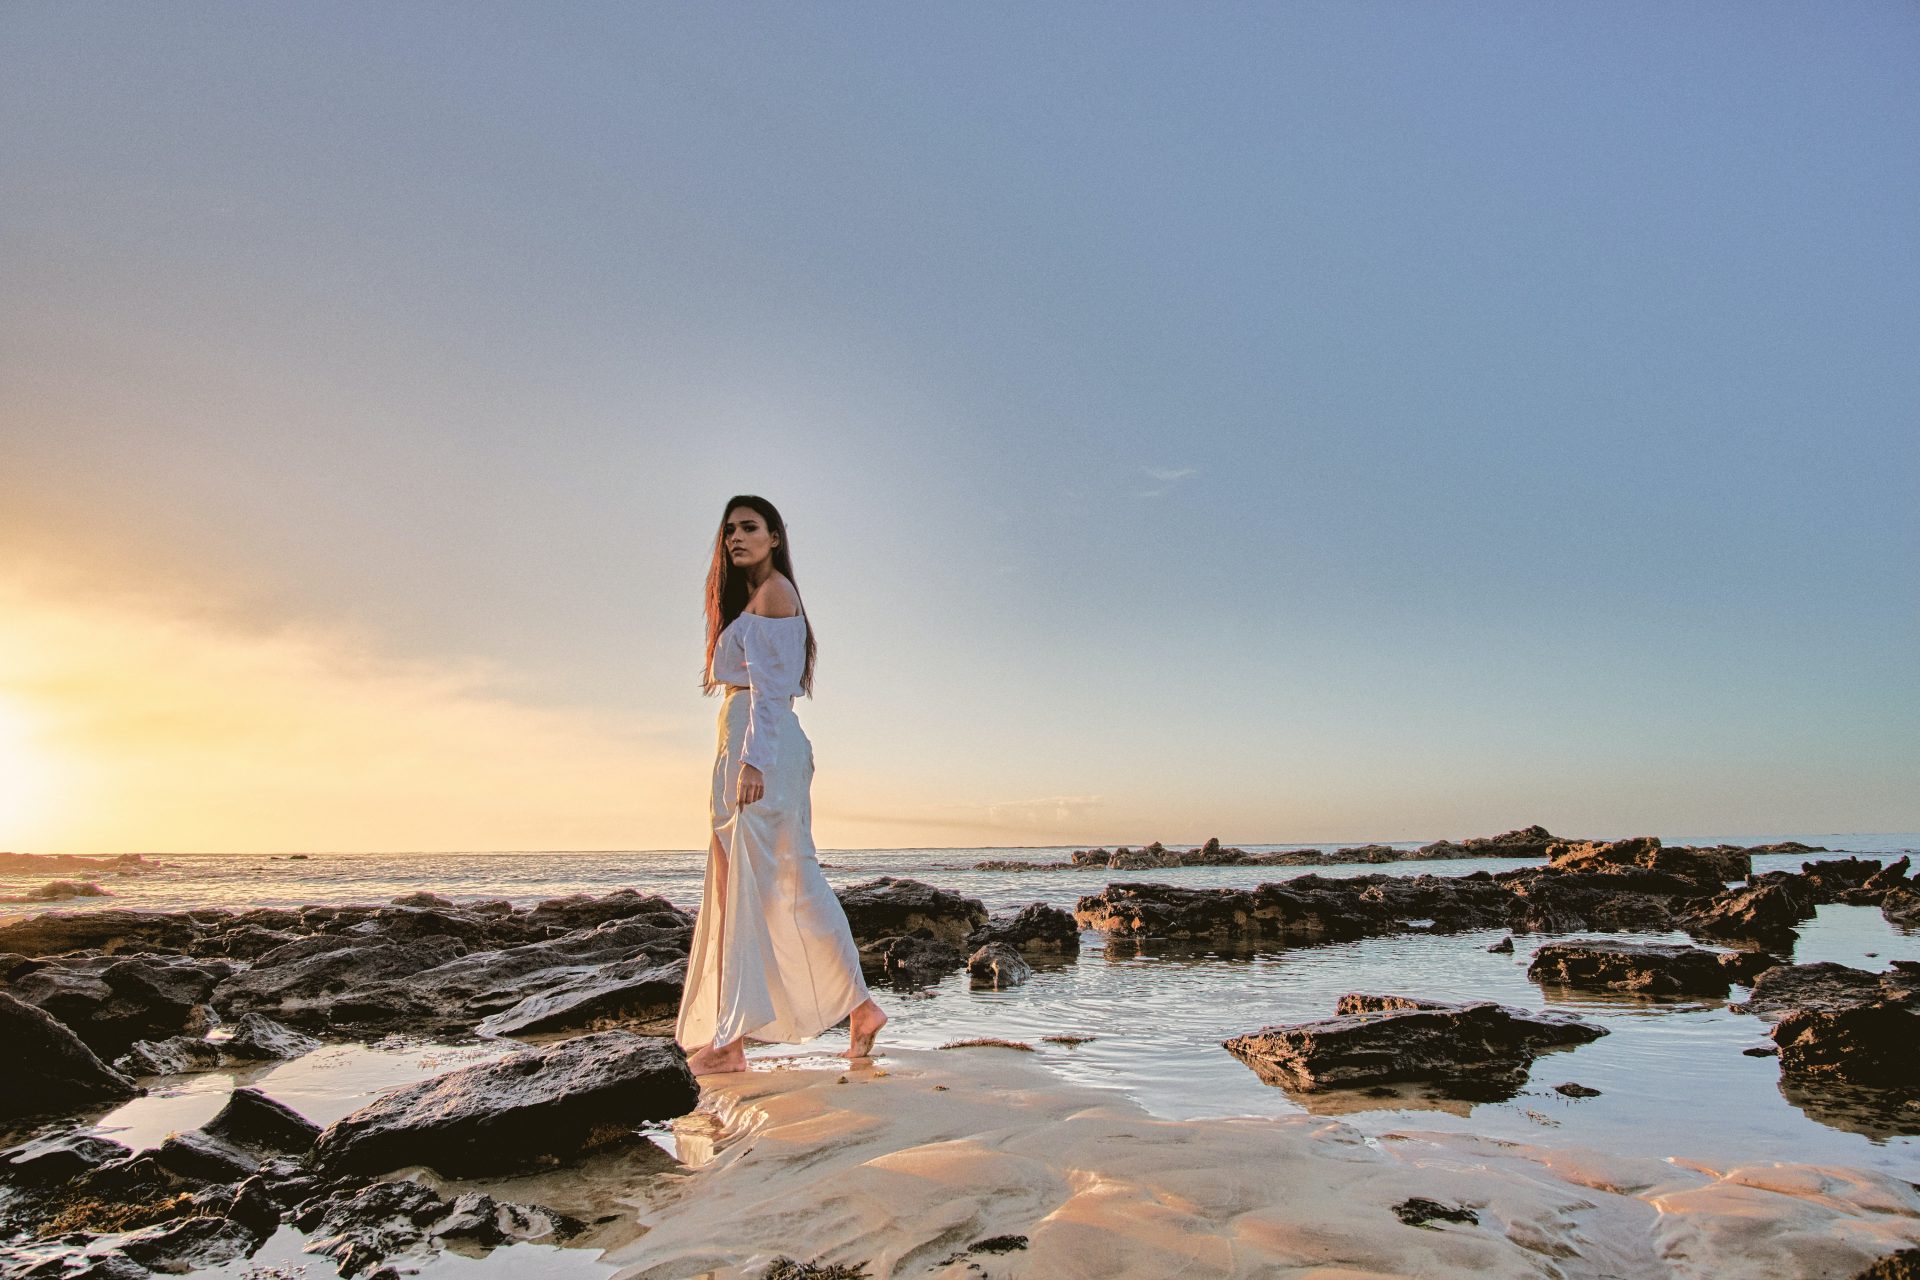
pixel 1842 880
pixel 1503 947
pixel 172 1056
pixel 619 995
pixel 309 990
pixel 360 1227
pixel 536 1107
pixel 1787 846
pixel 1654 867
pixel 190 1244
pixel 123 1001
pixel 912 961
pixel 890 907
pixel 1482 1045
pixel 1901 906
pixel 1036 929
pixel 1572 1090
pixel 1623 900
pixel 49 1162
pixel 1877 1045
pixel 1764 912
pixel 49 1067
pixel 428 901
pixel 1272 912
pixel 1761 1051
pixel 14 965
pixel 582 911
pixel 463 991
pixel 998 965
pixel 1649 968
pixel 1891 876
pixel 1526 842
pixel 256 1123
pixel 110 931
pixel 254 1038
pixel 1144 859
pixel 1904 1265
pixel 1827 987
pixel 1421 1212
pixel 199 1157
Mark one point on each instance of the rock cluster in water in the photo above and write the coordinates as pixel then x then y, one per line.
pixel 93 1002
pixel 1479 1049
pixel 1523 842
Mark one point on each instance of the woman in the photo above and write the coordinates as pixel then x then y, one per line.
pixel 772 957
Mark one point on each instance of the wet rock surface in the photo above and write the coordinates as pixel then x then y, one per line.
pixel 50 1068
pixel 1649 968
pixel 998 965
pixel 911 962
pixel 889 907
pixel 537 1107
pixel 1478 1049
pixel 1036 929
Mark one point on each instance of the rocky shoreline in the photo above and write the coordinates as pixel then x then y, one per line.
pixel 98 1003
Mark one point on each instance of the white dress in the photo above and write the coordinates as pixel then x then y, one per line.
pixel 776 960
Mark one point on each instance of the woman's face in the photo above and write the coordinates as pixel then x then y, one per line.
pixel 749 542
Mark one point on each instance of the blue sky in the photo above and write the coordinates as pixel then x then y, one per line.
pixel 1279 422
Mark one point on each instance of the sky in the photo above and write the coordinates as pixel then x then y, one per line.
pixel 1285 423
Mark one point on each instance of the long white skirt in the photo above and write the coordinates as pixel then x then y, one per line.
pixel 776 960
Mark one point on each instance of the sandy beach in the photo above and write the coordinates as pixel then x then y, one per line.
pixel 902 1166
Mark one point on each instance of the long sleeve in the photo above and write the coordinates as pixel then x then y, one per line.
pixel 776 653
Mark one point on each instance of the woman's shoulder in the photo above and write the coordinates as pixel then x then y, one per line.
pixel 776 598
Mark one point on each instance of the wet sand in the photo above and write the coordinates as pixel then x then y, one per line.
pixel 905 1164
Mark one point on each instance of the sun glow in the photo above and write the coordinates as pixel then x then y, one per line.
pixel 24 775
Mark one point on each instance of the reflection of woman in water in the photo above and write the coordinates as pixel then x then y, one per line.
pixel 772 956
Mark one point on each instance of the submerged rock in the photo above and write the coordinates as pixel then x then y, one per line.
pixel 1380 1039
pixel 912 961
pixel 49 1067
pixel 998 965
pixel 889 907
pixel 361 1227
pixel 537 1107
pixel 1649 968
pixel 253 1039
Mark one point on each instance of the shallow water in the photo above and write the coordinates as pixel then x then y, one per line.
pixel 1671 1075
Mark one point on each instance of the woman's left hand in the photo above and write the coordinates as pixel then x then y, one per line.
pixel 752 786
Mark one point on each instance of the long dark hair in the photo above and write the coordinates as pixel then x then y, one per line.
pixel 727 591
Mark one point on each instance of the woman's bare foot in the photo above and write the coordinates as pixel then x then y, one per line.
pixel 863 1024
pixel 718 1060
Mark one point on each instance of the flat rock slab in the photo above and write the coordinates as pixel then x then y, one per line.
pixel 622 994
pixel 536 1108
pixel 1828 987
pixel 1382 1039
pixel 1648 968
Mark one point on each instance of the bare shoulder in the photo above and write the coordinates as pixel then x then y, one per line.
pixel 776 598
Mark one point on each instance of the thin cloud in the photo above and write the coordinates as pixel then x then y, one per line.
pixel 157 723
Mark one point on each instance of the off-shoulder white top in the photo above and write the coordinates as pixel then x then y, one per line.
pixel 768 656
